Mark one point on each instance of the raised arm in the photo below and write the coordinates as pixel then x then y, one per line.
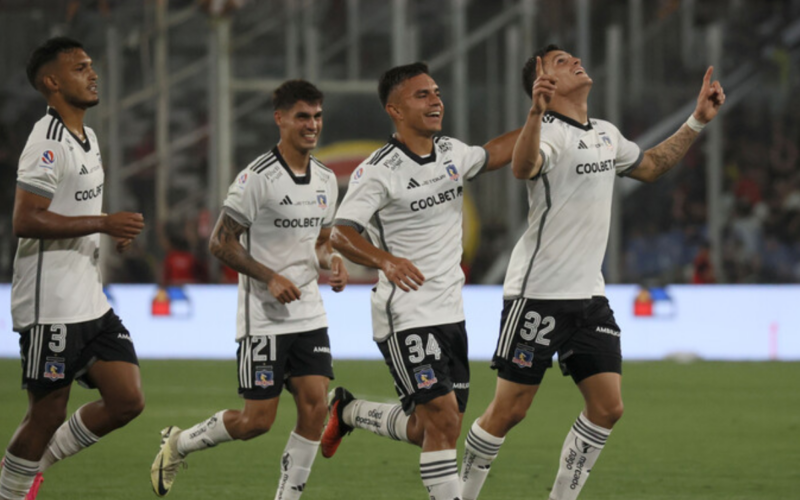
pixel 500 150
pixel 328 259
pixel 660 159
pixel 33 219
pixel 527 160
pixel 225 246
pixel 347 240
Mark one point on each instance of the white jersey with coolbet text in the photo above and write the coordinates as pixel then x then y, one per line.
pixel 412 208
pixel 561 253
pixel 59 281
pixel 284 214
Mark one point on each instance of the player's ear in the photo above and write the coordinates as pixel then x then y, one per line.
pixel 278 117
pixel 393 111
pixel 48 83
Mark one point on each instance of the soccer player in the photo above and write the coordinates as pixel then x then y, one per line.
pixel 274 230
pixel 67 328
pixel 409 196
pixel 554 290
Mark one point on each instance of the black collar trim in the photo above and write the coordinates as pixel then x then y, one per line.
pixel 86 145
pixel 302 179
pixel 570 121
pixel 418 159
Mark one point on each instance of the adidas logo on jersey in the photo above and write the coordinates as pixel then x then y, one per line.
pixel 286 201
pixel 582 145
pixel 413 184
pixel 84 170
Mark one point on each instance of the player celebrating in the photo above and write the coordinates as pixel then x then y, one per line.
pixel 554 290
pixel 275 231
pixel 409 195
pixel 67 328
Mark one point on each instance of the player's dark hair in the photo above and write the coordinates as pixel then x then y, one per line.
pixel 529 70
pixel 397 75
pixel 48 52
pixel 292 91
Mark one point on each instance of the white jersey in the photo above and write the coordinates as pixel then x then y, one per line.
pixel 560 254
pixel 284 214
pixel 59 281
pixel 412 208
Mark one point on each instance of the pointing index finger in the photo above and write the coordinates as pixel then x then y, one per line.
pixel 707 77
pixel 539 67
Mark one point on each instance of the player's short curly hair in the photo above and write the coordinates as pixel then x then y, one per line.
pixel 46 53
pixel 397 75
pixel 529 70
pixel 291 91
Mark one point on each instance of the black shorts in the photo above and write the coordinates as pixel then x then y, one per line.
pixel 267 361
pixel 582 332
pixel 54 355
pixel 428 362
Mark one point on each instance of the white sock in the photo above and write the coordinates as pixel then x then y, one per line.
pixel 16 477
pixel 296 462
pixel 68 440
pixel 480 450
pixel 583 445
pixel 206 434
pixel 439 471
pixel 383 419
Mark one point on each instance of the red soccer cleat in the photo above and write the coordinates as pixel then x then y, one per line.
pixel 336 429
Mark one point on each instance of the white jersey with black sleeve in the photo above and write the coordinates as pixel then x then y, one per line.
pixel 59 281
pixel 283 214
pixel 411 207
pixel 561 253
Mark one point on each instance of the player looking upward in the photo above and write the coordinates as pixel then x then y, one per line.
pixel 67 328
pixel 275 231
pixel 554 290
pixel 408 195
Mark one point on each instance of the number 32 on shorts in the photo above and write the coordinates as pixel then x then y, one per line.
pixel 530 329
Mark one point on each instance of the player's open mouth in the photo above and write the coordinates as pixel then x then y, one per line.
pixel 434 114
pixel 310 137
pixel 580 72
pixel 93 88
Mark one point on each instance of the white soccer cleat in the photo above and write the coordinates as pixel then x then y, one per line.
pixel 168 461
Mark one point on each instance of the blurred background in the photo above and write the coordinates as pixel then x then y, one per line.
pixel 185 104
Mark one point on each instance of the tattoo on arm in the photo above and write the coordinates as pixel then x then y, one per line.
pixel 226 247
pixel 667 154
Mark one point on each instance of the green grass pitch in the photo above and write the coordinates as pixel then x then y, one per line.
pixel 726 431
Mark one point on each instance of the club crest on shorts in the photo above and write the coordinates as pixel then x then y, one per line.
pixel 264 377
pixel 425 377
pixel 523 356
pixel 54 369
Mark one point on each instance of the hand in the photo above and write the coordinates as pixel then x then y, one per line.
pixel 123 244
pixel 123 225
pixel 544 87
pixel 710 99
pixel 339 274
pixel 283 289
pixel 402 273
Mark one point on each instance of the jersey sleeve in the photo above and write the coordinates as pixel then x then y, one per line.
pixel 552 144
pixel 333 197
pixel 245 196
pixel 629 154
pixel 368 192
pixel 41 166
pixel 473 159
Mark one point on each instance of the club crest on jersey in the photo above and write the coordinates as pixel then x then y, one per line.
pixel 607 142
pixel 54 369
pixel 452 172
pixel 425 377
pixel 358 173
pixel 243 178
pixel 523 356
pixel 322 201
pixel 48 158
pixel 264 377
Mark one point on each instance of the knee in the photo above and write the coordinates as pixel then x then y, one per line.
pixel 606 415
pixel 252 426
pixel 125 409
pixel 444 424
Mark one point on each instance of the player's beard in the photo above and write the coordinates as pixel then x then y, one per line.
pixel 82 103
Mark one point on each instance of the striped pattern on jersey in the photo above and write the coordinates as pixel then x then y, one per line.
pixel 55 131
pixel 542 221
pixel 408 387
pixel 509 327
pixel 263 162
pixel 34 354
pixel 381 154
pixel 590 433
pixel 480 445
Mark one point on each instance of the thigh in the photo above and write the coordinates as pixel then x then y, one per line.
pixel 595 347
pixel 261 360
pixel 457 347
pixel 419 364
pixel 531 332
pixel 52 354
pixel 310 354
pixel 110 343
